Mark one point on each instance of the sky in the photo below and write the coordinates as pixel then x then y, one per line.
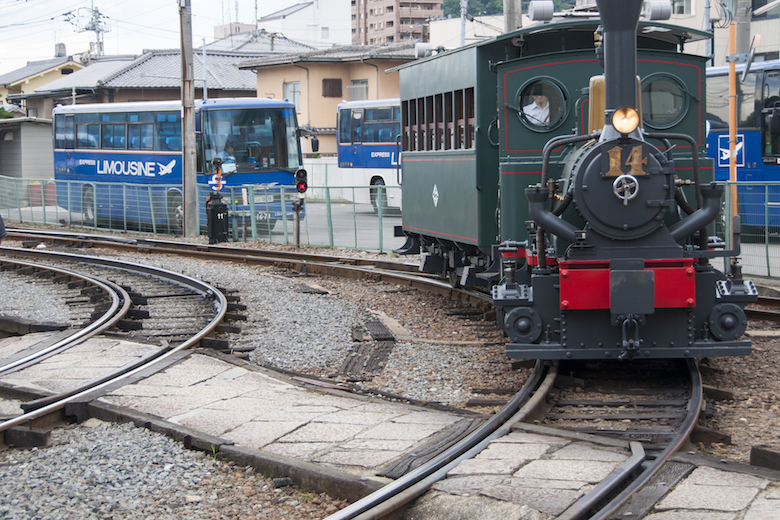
pixel 30 29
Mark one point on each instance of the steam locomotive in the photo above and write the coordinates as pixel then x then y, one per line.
pixel 563 167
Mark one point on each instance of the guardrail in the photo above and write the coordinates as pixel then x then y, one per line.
pixel 330 219
pixel 334 216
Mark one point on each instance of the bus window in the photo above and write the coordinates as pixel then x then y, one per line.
pixel 168 131
pixel 771 89
pixel 345 134
pixel 749 100
pixel 87 131
pixel 113 136
pixel 140 136
pixel 63 132
pixel 718 99
pixel 357 127
pixel 771 116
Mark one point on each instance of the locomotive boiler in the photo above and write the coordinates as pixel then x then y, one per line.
pixel 603 245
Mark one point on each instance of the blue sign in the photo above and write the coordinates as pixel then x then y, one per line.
pixel 723 150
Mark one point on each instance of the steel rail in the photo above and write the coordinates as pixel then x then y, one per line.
pixel 327 265
pixel 120 304
pixel 406 488
pixel 202 250
pixel 694 407
pixel 196 285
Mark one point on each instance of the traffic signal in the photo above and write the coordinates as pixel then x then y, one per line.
pixel 300 181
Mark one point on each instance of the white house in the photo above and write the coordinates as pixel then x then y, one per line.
pixel 319 23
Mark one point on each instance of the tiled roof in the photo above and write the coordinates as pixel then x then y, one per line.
pixel 285 12
pixel 257 42
pixel 88 77
pixel 31 69
pixel 162 69
pixel 397 52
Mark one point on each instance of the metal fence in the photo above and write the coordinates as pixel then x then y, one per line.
pixel 254 211
pixel 331 217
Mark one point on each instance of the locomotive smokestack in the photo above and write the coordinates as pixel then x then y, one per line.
pixel 619 19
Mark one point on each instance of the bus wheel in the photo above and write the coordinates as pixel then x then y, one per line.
pixel 88 206
pixel 375 195
pixel 175 212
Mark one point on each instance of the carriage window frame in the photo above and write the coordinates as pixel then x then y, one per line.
pixel 523 98
pixel 686 103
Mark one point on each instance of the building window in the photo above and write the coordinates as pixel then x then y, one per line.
pixel 681 7
pixel 357 90
pixel 331 87
pixel 292 93
pixel 325 33
pixel 389 8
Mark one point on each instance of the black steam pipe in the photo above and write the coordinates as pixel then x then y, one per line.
pixel 620 19
pixel 544 218
pixel 703 233
pixel 711 195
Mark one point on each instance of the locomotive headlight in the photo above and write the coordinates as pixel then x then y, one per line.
pixel 625 120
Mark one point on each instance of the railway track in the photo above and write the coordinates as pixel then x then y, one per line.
pixel 172 310
pixel 654 417
pixel 345 267
pixel 676 397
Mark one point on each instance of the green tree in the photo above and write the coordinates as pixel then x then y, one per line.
pixel 451 8
pixel 4 114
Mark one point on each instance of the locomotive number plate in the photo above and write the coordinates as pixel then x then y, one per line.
pixel 634 161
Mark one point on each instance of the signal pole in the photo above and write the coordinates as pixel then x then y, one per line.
pixel 189 177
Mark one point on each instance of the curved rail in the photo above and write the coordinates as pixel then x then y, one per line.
pixel 344 267
pixel 120 304
pixel 74 396
pixel 694 406
pixel 414 483
pixel 204 250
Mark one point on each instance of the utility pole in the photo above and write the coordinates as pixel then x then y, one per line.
pixel 189 177
pixel 743 26
pixel 464 7
pixel 513 15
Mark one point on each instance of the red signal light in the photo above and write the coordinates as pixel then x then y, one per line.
pixel 300 181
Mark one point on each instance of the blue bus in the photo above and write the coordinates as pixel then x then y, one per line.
pixel 122 162
pixel 758 137
pixel 368 149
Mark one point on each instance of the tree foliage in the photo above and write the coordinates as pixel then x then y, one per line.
pixel 451 8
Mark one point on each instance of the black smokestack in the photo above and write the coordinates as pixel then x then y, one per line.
pixel 619 19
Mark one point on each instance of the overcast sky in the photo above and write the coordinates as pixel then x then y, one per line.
pixel 30 29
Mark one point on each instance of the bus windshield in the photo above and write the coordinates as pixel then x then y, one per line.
pixel 250 139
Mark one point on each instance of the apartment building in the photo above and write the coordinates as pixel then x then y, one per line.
pixel 379 22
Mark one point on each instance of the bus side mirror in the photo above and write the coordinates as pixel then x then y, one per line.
pixel 315 144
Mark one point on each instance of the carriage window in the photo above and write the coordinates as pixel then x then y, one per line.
pixel 664 101
pixel 542 105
